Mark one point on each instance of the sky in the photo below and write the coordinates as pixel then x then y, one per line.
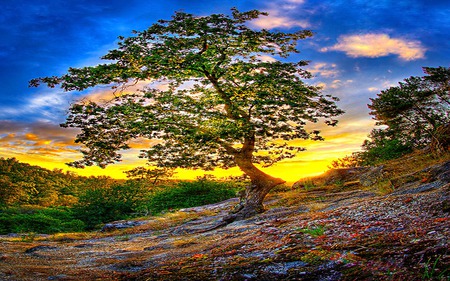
pixel 359 48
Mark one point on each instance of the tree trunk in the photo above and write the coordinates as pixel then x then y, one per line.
pixel 251 201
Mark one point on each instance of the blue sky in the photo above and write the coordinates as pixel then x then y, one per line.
pixel 359 48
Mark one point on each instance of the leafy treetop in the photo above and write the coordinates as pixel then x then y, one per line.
pixel 414 110
pixel 212 98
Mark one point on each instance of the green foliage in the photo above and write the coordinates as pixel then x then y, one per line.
pixel 223 102
pixel 100 205
pixel 412 112
pixel 24 184
pixel 94 200
pixel 413 115
pixel 133 198
pixel 430 271
pixel 38 220
pixel 381 148
pixel 152 175
pixel 315 231
pixel 349 161
pixel 191 194
pixel 388 149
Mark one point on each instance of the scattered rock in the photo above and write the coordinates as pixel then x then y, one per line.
pixel 372 176
pixel 283 268
pixel 58 277
pixel 84 245
pixel 440 172
pixel 40 248
pixel 121 225
pixel 421 188
pixel 224 205
pixel 375 229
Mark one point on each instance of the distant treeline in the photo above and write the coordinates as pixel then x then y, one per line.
pixel 34 199
pixel 25 184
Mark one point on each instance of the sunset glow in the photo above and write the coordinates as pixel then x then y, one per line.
pixel 354 54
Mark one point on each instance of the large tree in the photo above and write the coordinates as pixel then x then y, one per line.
pixel 212 98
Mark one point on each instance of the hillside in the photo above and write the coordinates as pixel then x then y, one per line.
pixel 25 184
pixel 385 223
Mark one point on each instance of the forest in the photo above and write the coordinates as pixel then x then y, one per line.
pixel 37 200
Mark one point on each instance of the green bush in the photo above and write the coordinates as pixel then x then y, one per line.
pixel 38 220
pixel 122 201
pixel 101 205
pixel 190 194
pixel 383 150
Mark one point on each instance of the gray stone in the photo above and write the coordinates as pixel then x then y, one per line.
pixel 121 225
pixel 283 268
pixel 40 248
pixel 372 176
pixel 420 188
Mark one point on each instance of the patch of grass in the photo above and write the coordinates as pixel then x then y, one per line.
pixel 402 169
pixel 281 188
pixel 184 242
pixel 430 271
pixel 317 206
pixel 315 257
pixel 290 198
pixel 69 236
pixel 124 237
pixel 315 231
pixel 309 185
pixel 384 187
pixel 28 237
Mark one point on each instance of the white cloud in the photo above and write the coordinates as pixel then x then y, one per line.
pixel 274 20
pixel 324 69
pixel 52 99
pixel 374 45
pixel 336 84
pixel 266 58
pixel 46 105
pixel 280 15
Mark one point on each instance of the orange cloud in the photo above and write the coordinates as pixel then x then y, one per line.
pixel 31 137
pixel 377 45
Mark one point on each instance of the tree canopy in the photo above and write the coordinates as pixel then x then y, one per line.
pixel 217 94
pixel 414 110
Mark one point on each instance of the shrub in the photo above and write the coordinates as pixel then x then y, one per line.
pixel 121 201
pixel 191 194
pixel 38 220
pixel 100 205
pixel 383 150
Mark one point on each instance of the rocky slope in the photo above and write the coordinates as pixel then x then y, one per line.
pixel 339 230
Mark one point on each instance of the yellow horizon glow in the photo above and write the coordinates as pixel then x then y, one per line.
pixel 290 172
pixel 315 160
pixel 52 147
